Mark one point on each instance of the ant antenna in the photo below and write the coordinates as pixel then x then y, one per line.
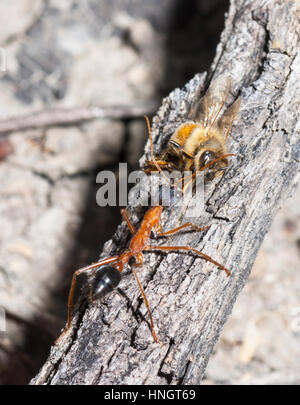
pixel 216 160
pixel 192 176
pixel 152 153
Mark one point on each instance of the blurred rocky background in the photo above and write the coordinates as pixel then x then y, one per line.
pixel 72 53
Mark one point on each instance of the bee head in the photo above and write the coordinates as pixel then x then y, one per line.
pixel 213 169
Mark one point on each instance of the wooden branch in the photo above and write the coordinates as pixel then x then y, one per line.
pixel 71 116
pixel 110 341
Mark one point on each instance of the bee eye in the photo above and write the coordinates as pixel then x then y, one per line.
pixel 207 157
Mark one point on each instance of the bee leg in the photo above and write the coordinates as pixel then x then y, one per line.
pixel 150 165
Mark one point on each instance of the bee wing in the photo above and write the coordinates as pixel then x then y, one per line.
pixel 226 120
pixel 213 101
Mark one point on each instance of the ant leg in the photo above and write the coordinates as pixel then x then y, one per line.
pixel 128 221
pixel 152 151
pixel 189 249
pixel 186 186
pixel 72 289
pixel 186 225
pixel 140 259
pixel 216 160
pixel 146 303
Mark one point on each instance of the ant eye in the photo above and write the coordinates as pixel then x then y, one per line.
pixel 107 278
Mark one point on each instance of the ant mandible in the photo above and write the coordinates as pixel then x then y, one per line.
pixel 109 274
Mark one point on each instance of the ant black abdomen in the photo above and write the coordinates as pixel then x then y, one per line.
pixel 107 278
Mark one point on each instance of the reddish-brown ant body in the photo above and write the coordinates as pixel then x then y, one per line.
pixel 109 274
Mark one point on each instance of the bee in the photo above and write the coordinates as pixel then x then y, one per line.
pixel 201 142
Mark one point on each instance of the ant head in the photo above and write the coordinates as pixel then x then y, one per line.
pixel 106 279
pixel 212 163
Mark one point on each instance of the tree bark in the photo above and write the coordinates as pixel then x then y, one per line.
pixel 110 341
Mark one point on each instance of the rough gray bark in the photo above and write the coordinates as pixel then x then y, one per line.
pixel 110 342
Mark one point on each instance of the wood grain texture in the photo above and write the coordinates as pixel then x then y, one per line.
pixel 110 342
